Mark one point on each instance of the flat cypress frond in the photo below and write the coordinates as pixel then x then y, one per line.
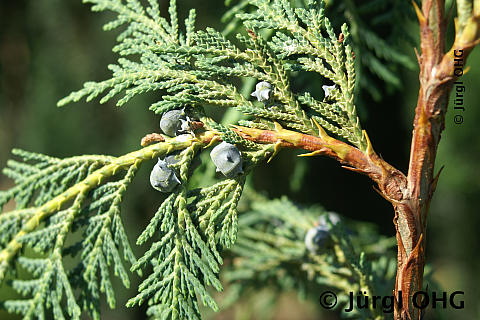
pixel 189 231
pixel 56 200
pixel 196 67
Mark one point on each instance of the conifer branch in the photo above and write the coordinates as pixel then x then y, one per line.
pixel 194 68
pixel 391 182
pixel 38 214
pixel 192 227
pixel 436 78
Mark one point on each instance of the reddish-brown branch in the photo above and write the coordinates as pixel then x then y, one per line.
pixel 390 181
pixel 436 78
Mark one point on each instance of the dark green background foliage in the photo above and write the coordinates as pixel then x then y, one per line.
pixel 49 48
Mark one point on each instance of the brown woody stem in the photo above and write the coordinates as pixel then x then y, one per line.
pixel 436 79
pixel 390 181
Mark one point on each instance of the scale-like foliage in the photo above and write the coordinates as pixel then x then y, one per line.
pixel 271 250
pixel 377 26
pixel 51 198
pixel 196 67
pixel 190 229
pixel 71 207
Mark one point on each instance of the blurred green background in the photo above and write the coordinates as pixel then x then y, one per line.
pixel 48 48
